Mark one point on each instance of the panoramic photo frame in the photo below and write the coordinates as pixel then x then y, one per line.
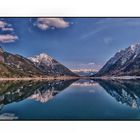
pixel 69 68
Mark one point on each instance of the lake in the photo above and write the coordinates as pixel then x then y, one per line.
pixel 81 99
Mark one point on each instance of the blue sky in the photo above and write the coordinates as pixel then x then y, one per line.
pixel 75 42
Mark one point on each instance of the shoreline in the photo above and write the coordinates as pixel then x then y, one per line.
pixel 116 77
pixel 68 78
pixel 38 78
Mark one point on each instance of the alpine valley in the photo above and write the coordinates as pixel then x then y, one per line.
pixel 17 66
pixel 124 63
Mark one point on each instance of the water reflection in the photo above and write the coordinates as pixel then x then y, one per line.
pixel 48 90
pixel 84 99
pixel 124 91
pixel 8 116
pixel 14 91
pixel 85 83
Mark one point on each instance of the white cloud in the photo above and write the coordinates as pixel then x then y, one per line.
pixel 7 29
pixel 107 40
pixel 93 32
pixel 87 65
pixel 46 23
pixel 5 26
pixel 8 38
pixel 91 63
pixel 2 24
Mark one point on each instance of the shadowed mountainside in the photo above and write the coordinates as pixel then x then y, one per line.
pixel 124 63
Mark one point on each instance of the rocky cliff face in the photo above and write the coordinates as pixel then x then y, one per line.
pixel 123 63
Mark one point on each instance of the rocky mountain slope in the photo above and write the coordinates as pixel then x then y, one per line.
pixel 50 66
pixel 12 65
pixel 123 63
pixel 17 66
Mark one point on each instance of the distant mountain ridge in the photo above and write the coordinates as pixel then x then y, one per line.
pixel 124 63
pixel 14 65
pixel 85 72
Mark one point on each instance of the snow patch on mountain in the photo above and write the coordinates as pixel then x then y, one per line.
pixel 124 60
pixel 50 66
pixel 42 58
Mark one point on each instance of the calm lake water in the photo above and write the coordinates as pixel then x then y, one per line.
pixel 70 100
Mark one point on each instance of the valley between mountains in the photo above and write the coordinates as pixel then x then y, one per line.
pixel 125 63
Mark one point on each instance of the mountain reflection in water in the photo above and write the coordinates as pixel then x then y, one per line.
pixel 15 91
pixel 84 99
pixel 124 91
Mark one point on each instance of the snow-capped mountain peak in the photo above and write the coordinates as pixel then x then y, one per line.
pixel 1 49
pixel 134 47
pixel 42 58
pixel 123 62
pixel 50 66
